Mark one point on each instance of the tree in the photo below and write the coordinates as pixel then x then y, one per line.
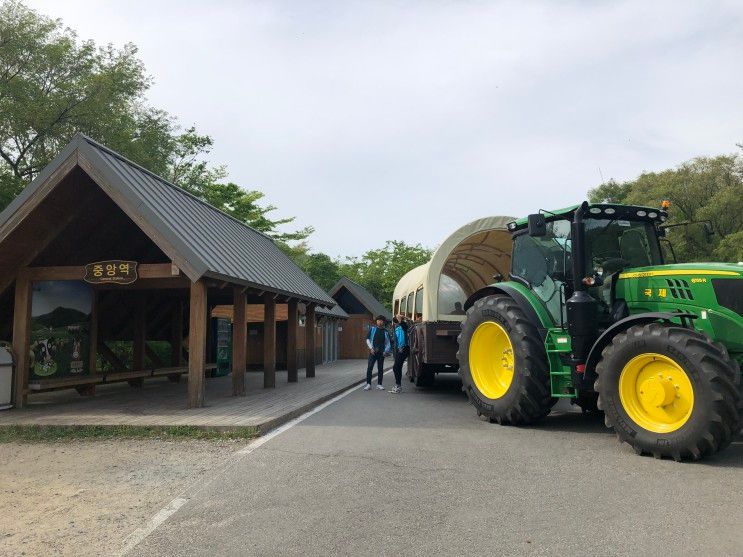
pixel 52 86
pixel 704 189
pixel 318 266
pixel 379 270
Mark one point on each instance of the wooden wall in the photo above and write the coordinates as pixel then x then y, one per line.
pixel 352 338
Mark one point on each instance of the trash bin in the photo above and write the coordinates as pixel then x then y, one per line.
pixel 7 364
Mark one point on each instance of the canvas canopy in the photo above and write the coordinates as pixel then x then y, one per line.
pixel 464 262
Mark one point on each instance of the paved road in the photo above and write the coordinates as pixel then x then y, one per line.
pixel 419 474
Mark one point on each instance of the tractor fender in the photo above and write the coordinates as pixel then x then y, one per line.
pixel 622 325
pixel 525 304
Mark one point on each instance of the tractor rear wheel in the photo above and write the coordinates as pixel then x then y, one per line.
pixel 669 391
pixel 503 363
pixel 419 372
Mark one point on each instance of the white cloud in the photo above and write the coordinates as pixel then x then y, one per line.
pixel 380 120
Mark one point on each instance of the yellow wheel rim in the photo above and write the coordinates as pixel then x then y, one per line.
pixel 491 359
pixel 656 393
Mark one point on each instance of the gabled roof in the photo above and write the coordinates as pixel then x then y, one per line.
pixel 202 240
pixel 362 295
pixel 336 311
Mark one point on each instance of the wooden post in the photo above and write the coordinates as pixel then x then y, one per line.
pixel 140 332
pixel 176 335
pixel 93 337
pixel 291 341
pixel 309 341
pixel 269 341
pixel 239 341
pixel 197 344
pixel 22 337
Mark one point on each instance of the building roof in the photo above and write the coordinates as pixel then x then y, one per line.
pixel 362 295
pixel 336 311
pixel 202 240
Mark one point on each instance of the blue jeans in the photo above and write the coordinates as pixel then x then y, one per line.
pixel 377 357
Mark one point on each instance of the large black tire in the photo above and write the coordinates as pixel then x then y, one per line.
pixel 528 397
pixel 714 378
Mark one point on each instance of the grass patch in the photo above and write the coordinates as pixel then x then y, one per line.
pixel 44 433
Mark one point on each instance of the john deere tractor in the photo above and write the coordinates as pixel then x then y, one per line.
pixel 593 313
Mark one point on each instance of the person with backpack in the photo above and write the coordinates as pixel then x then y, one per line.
pixel 403 351
pixel 379 342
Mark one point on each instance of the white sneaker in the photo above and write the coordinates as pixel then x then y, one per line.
pixel 396 389
pixel 368 387
pixel 380 388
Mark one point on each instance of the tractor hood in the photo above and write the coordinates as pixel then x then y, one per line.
pixel 712 291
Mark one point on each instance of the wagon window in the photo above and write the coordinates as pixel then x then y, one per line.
pixel 409 311
pixel 397 308
pixel 419 304
pixel 404 305
pixel 451 296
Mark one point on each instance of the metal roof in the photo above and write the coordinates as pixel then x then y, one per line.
pixel 210 242
pixel 362 295
pixel 336 311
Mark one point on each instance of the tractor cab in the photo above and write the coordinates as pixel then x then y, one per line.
pixel 615 238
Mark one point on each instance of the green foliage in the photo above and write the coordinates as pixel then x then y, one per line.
pixel 52 86
pixel 318 266
pixel 379 270
pixel 704 189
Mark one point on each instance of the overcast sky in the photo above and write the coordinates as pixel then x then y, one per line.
pixel 404 120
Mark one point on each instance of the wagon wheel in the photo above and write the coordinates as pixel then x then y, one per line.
pixel 415 358
pixel 419 372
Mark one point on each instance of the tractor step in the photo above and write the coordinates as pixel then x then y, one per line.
pixel 556 343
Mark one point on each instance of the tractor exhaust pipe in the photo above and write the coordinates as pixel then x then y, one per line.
pixel 582 309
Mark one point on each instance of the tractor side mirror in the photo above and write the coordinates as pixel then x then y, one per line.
pixel 708 232
pixel 537 225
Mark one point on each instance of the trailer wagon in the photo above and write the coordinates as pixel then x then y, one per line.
pixel 432 296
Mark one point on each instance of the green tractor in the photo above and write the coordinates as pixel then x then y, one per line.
pixel 592 313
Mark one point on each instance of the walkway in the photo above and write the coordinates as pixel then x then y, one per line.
pixel 162 403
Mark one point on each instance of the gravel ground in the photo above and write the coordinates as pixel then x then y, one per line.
pixel 85 497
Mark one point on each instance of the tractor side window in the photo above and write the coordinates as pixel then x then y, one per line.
pixel 544 262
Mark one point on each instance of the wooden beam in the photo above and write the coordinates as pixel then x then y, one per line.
pixel 269 341
pixel 239 341
pixel 111 357
pixel 93 336
pixel 291 340
pixel 197 344
pixel 309 341
pixel 176 334
pixel 157 363
pixel 22 338
pixel 140 332
pixel 77 272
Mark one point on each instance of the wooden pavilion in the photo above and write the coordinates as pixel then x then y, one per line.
pixel 156 260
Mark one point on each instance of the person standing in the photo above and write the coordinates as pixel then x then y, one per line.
pixel 379 343
pixel 403 351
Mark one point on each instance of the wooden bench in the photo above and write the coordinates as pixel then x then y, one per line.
pixel 85 384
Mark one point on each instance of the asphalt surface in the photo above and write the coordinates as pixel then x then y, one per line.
pixel 419 474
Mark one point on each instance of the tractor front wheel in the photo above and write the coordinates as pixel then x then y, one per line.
pixel 503 364
pixel 669 391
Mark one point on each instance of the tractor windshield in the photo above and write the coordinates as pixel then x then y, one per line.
pixel 615 244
